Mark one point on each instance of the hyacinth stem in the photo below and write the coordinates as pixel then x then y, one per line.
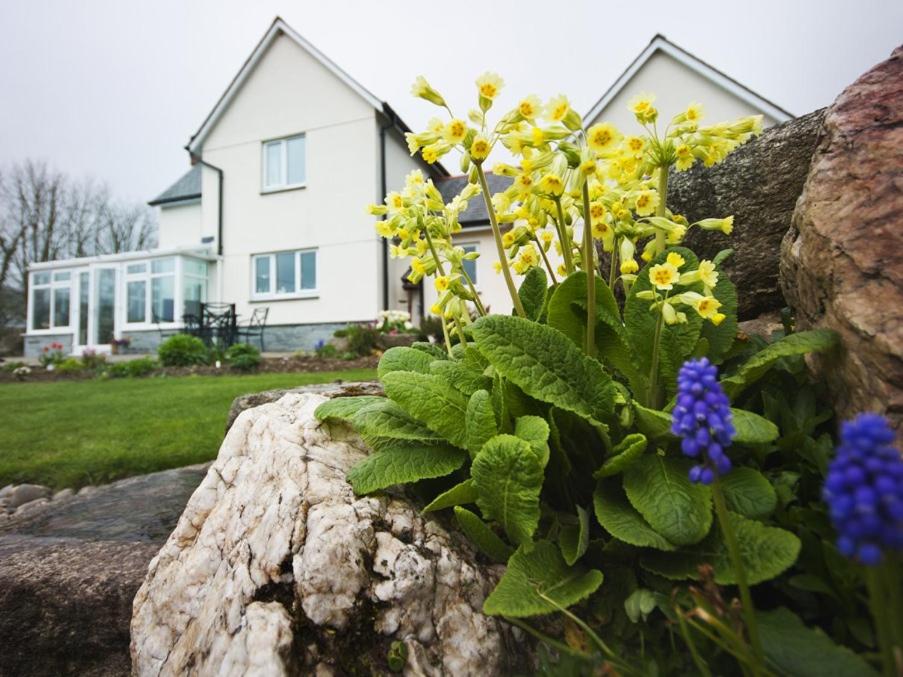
pixel 733 550
pixel 883 592
pixel 566 249
pixel 589 265
pixel 661 209
pixel 497 234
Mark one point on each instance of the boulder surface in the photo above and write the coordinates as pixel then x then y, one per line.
pixel 842 259
pixel 276 567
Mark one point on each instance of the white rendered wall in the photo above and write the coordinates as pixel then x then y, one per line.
pixel 179 226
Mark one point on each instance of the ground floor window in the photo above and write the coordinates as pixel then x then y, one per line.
pixel 51 299
pixel 284 273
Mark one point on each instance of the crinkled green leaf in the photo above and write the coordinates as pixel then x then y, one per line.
pixel 800 343
pixel 402 358
pixel 621 520
pixel 459 494
pixel 660 489
pixel 479 422
pixel 766 552
pixel 625 452
pixel 791 648
pixel 574 538
pixel 539 581
pixel 430 400
pixel 721 337
pixel 461 376
pixel 484 538
pixel 508 478
pixel 343 408
pixel 748 492
pixel 532 292
pixel 545 365
pixel 385 419
pixel 402 464
pixel 433 349
pixel 654 424
pixel 752 428
pixel 535 431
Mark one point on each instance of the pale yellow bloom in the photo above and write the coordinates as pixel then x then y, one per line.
pixel 551 184
pixel 455 131
pixel 442 282
pixel 394 202
pixel 675 259
pixel 489 85
pixel 529 107
pixel 642 107
pixel 479 149
pixel 663 276
pixel 646 202
pixel 557 108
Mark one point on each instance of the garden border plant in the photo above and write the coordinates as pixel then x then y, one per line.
pixel 701 456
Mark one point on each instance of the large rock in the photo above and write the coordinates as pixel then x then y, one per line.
pixel 69 569
pixel 758 184
pixel 842 260
pixel 276 567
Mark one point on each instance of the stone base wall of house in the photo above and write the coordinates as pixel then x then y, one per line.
pixel 144 342
pixel 288 338
pixel 34 345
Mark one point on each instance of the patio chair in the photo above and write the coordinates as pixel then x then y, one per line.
pixel 219 321
pixel 255 327
pixel 157 320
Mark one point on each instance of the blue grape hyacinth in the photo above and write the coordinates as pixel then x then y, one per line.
pixel 864 490
pixel 702 419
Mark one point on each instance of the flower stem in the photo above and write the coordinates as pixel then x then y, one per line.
pixel 567 250
pixel 589 265
pixel 448 345
pixel 542 252
pixel 497 234
pixel 733 549
pixel 880 583
pixel 481 309
pixel 433 251
pixel 653 399
pixel 661 209
pixel 613 266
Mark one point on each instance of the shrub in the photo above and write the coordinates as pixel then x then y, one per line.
pixel 71 365
pixel 12 366
pixel 326 351
pixel 93 360
pixel 243 357
pixel 133 368
pixel 182 350
pixel 51 355
pixel 362 339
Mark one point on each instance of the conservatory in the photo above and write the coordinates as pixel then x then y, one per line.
pixel 96 302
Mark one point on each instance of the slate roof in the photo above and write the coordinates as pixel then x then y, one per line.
pixel 188 187
pixel 475 214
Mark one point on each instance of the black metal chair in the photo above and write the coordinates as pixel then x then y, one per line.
pixel 157 320
pixel 219 322
pixel 255 327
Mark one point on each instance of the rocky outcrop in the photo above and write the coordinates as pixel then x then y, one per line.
pixel 842 260
pixel 758 184
pixel 276 567
pixel 69 569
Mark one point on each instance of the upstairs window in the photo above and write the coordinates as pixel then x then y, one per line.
pixel 284 163
pixel 291 273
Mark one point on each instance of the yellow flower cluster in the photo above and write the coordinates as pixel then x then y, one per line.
pixel 665 276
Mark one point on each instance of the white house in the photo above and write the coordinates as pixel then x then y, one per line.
pixel 271 214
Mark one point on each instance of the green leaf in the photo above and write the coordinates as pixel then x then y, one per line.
pixel 574 539
pixel 459 494
pixel 539 581
pixel 748 492
pixel 660 489
pixel 721 337
pixel 639 604
pixel 508 478
pixel 765 552
pixel 479 422
pixel 621 520
pixel 535 431
pixel 654 424
pixel 402 464
pixel 793 649
pixel 800 343
pixel 433 349
pixel 752 428
pixel 722 256
pixel 402 358
pixel 545 365
pixel 385 419
pixel 484 538
pixel 532 292
pixel 431 401
pixel 625 452
pixel 344 408
pixel 465 374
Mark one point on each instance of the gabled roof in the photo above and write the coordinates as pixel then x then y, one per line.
pixel 661 44
pixel 188 187
pixel 475 214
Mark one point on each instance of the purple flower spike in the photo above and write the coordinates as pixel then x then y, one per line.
pixel 864 490
pixel 702 418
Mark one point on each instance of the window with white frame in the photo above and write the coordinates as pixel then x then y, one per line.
pixel 194 286
pixel 470 266
pixel 150 291
pixel 51 299
pixel 291 273
pixel 284 163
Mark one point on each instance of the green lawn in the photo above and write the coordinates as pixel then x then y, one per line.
pixel 73 433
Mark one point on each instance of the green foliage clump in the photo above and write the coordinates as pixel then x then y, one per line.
pixel 142 366
pixel 243 357
pixel 182 350
pixel 70 365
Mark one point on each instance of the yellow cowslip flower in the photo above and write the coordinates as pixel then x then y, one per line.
pixel 528 256
pixel 558 109
pixel 508 239
pixel 596 211
pixel 489 85
pixel 551 184
pixel 497 266
pixel 642 108
pixel 442 282
pixel 523 184
pixel 693 112
pixel 646 202
pixel 561 270
pixel 435 126
pixel 480 148
pixel 394 202
pixel 663 276
pixel 529 107
pixel 421 247
pixel 675 259
pixel 602 137
pixel 725 225
pixel 685 158
pixel 385 229
pixel 436 309
pixel 629 267
pixel 376 210
pixel 671 315
pixel 547 236
pixel 422 89
pixel 707 307
pixel 635 145
pixel 707 273
pixel 455 131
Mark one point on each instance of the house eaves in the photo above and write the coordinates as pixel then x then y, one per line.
pixel 661 44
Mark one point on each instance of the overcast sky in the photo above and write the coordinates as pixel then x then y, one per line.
pixel 113 89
